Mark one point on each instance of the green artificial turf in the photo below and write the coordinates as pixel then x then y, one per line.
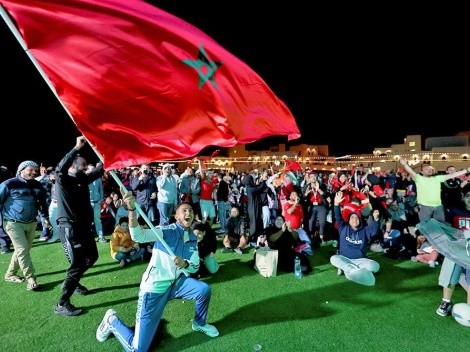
pixel 320 312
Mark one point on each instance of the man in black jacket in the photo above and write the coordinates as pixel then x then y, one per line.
pixel 75 219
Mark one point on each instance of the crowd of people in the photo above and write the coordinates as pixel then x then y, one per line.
pixel 175 220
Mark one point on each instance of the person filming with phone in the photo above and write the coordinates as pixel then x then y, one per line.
pixel 144 187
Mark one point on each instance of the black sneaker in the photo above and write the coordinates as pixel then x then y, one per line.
pixel 67 310
pixel 444 308
pixel 81 290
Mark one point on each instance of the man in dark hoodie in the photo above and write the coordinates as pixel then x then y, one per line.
pixel 353 239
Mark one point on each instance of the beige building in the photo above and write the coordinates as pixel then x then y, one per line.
pixel 440 152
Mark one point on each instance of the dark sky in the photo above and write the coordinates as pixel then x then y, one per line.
pixel 353 78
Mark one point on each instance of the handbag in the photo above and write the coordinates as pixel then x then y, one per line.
pixel 266 261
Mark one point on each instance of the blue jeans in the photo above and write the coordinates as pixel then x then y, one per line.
pixel 165 210
pixel 137 255
pixel 150 308
pixel 394 241
pixel 222 213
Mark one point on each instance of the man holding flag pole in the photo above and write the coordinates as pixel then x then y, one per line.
pixel 143 85
pixel 163 280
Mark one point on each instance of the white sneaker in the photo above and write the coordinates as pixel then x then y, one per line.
pixel 414 259
pixel 352 271
pixel 361 276
pixel 53 239
pixel 376 247
pixel 104 329
pixel 208 329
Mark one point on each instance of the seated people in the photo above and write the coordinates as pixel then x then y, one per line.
pixel 207 245
pixel 353 240
pixel 123 248
pixel 282 237
pixel 235 236
pixel 396 235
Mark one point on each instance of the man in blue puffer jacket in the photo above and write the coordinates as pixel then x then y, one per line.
pixel 22 198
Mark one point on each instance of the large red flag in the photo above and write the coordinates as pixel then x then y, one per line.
pixel 143 85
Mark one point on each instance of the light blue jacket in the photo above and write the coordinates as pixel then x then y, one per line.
pixel 161 271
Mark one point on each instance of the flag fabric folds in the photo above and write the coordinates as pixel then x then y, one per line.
pixel 291 165
pixel 143 85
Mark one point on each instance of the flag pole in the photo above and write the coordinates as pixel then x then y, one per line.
pixel 20 40
pixel 139 210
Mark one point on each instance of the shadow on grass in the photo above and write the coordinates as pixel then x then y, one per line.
pixel 94 271
pixel 394 277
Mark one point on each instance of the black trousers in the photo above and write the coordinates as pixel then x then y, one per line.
pixel 81 252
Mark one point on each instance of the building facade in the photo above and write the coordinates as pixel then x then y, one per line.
pixel 440 152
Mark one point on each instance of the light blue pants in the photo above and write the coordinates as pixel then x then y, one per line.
pixel 166 211
pixel 150 308
pixel 222 213
pixel 53 219
pixel 97 218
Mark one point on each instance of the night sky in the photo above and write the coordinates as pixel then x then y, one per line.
pixel 353 78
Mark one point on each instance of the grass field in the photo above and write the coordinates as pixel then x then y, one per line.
pixel 320 312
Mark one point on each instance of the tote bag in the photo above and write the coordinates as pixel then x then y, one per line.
pixel 266 261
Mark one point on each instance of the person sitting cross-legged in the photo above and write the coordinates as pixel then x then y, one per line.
pixel 123 248
pixel 282 237
pixel 353 239
pixel 235 236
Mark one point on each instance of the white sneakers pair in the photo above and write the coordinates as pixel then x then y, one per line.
pixel 352 271
pixel 104 329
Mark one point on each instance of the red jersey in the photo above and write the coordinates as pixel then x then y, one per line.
pixel 207 189
pixel 296 217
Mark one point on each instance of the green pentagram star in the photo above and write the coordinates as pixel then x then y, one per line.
pixel 205 67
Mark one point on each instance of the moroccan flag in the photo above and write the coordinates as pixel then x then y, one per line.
pixel 292 165
pixel 143 85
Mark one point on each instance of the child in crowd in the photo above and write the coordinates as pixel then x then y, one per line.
pixel 427 254
pixel 123 248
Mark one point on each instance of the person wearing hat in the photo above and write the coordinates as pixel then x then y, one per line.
pixel 144 186
pixel 167 194
pixel 353 239
pixel 21 198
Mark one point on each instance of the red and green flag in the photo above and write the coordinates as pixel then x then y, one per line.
pixel 143 85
